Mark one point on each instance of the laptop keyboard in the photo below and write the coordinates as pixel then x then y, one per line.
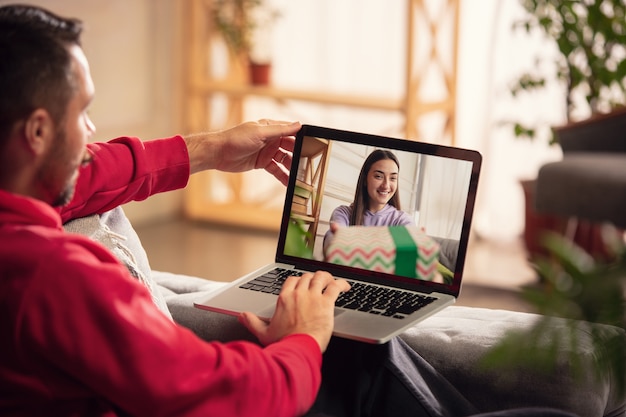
pixel 364 297
pixel 270 282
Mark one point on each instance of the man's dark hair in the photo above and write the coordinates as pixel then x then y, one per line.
pixel 35 64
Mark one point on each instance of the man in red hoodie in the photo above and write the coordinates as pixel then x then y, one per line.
pixel 79 335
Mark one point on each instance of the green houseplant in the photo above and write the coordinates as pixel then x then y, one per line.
pixel 243 24
pixel 583 290
pixel 590 68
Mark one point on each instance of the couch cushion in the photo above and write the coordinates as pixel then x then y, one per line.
pixel 180 293
pixel 113 230
pixel 455 339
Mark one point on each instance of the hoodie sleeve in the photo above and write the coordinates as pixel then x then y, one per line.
pixel 127 169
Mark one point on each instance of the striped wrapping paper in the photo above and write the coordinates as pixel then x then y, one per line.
pixel 399 250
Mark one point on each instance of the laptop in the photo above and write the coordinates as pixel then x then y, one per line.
pixel 437 188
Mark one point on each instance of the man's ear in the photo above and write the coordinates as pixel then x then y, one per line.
pixel 39 131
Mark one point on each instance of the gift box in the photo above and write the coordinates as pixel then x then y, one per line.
pixel 399 250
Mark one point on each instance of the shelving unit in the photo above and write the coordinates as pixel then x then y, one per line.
pixel 237 206
pixel 310 181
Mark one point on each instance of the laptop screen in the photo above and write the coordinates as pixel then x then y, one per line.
pixel 361 180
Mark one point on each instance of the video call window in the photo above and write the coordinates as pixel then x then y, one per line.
pixel 432 191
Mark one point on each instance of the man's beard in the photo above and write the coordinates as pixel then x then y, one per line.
pixel 66 195
pixel 59 156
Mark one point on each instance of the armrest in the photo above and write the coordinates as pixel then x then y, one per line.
pixel 590 186
pixel 455 340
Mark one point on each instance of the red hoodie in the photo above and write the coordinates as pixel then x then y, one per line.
pixel 80 337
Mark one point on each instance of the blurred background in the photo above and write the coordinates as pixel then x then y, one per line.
pixel 138 51
pixel 438 71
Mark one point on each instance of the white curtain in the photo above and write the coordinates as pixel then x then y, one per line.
pixel 443 196
pixel 491 55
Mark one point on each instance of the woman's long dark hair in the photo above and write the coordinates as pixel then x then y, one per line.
pixel 361 197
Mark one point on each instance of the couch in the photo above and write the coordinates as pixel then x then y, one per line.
pixel 453 341
pixel 589 182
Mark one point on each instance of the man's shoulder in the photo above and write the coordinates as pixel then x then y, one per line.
pixel 27 250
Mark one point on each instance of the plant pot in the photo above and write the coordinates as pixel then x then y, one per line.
pixel 536 224
pixel 598 134
pixel 260 73
pixel 586 234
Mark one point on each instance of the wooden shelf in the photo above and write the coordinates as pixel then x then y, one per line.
pixel 350 100
pixel 306 219
pixel 312 179
pixel 336 99
pixel 201 85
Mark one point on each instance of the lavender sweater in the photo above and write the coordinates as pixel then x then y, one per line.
pixel 388 216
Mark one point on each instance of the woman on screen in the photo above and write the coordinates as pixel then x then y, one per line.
pixel 376 201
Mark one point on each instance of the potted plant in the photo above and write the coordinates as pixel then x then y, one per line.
pixel 584 291
pixel 591 63
pixel 590 67
pixel 245 26
pixel 590 37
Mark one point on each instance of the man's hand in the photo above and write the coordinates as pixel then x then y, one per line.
pixel 264 144
pixel 306 305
